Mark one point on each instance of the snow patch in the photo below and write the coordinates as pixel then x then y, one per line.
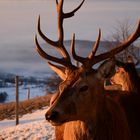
pixel 32 127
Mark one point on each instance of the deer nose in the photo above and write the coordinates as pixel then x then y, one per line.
pixel 51 116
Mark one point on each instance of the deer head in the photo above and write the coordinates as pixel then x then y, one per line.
pixel 126 76
pixel 82 87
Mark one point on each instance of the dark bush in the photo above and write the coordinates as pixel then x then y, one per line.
pixel 3 96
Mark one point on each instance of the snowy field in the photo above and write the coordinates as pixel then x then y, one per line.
pixel 32 127
pixel 34 92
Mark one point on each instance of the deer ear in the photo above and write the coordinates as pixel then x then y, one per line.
pixel 59 70
pixel 107 69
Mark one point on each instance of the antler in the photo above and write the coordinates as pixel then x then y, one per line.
pixel 86 61
pixel 92 59
pixel 59 45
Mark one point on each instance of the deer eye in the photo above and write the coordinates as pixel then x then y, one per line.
pixel 84 88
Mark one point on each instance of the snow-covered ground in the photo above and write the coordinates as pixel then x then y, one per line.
pixel 31 127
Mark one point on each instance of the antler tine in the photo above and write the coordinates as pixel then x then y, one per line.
pixel 49 57
pixel 135 35
pixel 74 55
pixel 62 16
pixel 44 37
pixel 56 1
pixel 95 47
pixel 87 62
pixel 70 14
pixel 55 44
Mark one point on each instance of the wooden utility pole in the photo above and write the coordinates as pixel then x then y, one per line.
pixel 28 93
pixel 17 99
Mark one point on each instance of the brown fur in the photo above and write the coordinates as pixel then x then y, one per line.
pixel 109 126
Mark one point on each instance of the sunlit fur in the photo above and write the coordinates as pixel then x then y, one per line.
pixel 87 115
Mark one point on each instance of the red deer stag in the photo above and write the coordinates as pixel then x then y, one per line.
pixel 129 98
pixel 80 110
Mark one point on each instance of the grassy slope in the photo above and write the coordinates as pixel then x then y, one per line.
pixel 7 110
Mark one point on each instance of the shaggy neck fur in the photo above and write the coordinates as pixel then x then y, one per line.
pixel 131 84
pixel 78 130
pixel 127 84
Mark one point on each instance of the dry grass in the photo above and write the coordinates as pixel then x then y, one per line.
pixel 7 110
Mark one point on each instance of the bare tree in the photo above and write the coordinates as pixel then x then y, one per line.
pixel 121 32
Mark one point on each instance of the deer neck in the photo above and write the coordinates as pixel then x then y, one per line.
pixel 129 84
pixel 107 116
pixel 79 130
pixel 84 129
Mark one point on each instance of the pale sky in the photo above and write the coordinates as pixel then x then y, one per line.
pixel 18 20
